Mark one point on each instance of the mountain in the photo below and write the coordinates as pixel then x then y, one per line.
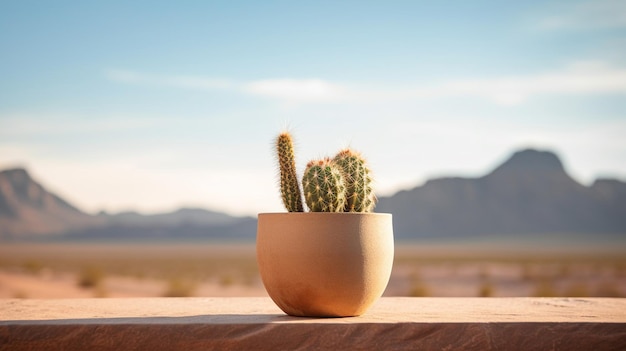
pixel 27 209
pixel 530 194
pixel 242 229
pixel 178 217
pixel 30 212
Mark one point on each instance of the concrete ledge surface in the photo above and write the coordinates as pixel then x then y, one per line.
pixel 257 324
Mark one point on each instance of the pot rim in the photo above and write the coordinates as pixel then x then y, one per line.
pixel 324 214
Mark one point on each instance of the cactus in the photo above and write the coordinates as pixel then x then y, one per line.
pixel 289 187
pixel 358 181
pixel 323 186
pixel 341 184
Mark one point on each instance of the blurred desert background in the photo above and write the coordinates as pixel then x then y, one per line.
pixel 137 270
pixel 454 237
pixel 136 140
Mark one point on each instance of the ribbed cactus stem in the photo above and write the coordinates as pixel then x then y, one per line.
pixel 289 187
pixel 323 186
pixel 358 181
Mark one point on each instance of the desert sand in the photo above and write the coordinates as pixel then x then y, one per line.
pixel 222 270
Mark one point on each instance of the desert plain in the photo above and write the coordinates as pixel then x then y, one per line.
pixel 83 270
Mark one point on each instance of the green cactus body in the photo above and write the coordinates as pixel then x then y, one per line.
pixel 359 194
pixel 323 186
pixel 289 187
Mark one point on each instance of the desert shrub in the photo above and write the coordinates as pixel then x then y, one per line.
pixel 226 280
pixel 544 288
pixel 577 290
pixel 90 277
pixel 32 267
pixel 177 287
pixel 486 289
pixel 20 294
pixel 419 289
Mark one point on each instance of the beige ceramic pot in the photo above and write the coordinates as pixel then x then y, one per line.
pixel 325 264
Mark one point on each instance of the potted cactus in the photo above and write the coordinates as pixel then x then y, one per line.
pixel 334 260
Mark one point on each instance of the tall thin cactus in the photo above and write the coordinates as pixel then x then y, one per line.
pixel 289 186
pixel 358 181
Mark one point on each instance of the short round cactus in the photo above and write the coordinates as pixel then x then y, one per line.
pixel 323 186
pixel 359 194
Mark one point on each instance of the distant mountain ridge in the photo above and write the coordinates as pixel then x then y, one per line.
pixel 528 195
pixel 30 212
pixel 27 209
pixel 183 215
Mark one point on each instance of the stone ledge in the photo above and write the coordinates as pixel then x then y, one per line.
pixel 257 324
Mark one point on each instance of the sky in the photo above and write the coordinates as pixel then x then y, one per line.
pixel 153 105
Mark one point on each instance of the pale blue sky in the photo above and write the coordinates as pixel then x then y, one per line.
pixel 154 105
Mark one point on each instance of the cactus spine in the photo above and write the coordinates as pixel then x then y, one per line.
pixel 358 181
pixel 289 187
pixel 323 186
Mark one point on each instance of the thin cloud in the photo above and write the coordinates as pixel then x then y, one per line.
pixel 53 124
pixel 588 77
pixel 298 90
pixel 577 78
pixel 580 78
pixel 593 14
pixel 287 90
